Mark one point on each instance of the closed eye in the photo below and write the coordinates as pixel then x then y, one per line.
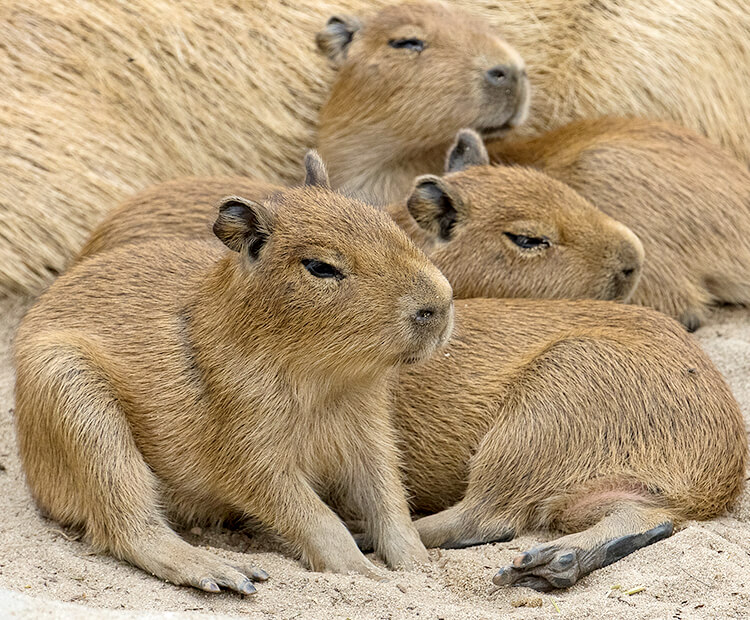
pixel 413 44
pixel 528 243
pixel 322 270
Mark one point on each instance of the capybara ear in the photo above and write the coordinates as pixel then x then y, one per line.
pixel 468 150
pixel 334 39
pixel 315 170
pixel 243 225
pixel 434 205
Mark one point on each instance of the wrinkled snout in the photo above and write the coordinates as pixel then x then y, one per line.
pixel 627 263
pixel 428 315
pixel 507 94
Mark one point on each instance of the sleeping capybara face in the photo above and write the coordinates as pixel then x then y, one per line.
pixel 420 72
pixel 498 231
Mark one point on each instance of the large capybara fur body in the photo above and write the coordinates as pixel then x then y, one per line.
pixel 201 384
pixel 686 199
pixel 108 98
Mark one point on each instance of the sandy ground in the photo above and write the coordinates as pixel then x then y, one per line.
pixel 703 571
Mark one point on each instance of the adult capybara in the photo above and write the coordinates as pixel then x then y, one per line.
pixel 493 231
pixel 200 383
pixel 107 98
pixel 687 200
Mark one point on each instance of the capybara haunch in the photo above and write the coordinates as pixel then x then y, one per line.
pixel 105 99
pixel 686 199
pixel 493 231
pixel 212 383
pixel 602 420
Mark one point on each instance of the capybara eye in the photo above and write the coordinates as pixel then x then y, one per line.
pixel 322 270
pixel 528 243
pixel 413 44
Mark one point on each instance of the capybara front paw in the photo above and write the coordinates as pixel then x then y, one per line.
pixel 406 556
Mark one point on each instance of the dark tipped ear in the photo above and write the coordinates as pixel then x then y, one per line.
pixel 315 171
pixel 434 206
pixel 334 39
pixel 468 150
pixel 243 225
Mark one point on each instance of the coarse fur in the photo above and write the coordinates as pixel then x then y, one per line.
pixel 393 112
pixel 686 199
pixel 466 224
pixel 108 98
pixel 602 420
pixel 605 421
pixel 178 380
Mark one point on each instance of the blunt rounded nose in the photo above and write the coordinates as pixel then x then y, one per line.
pixel 424 315
pixel 501 75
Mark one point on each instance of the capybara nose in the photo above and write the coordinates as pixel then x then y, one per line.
pixel 501 75
pixel 424 315
pixel 631 264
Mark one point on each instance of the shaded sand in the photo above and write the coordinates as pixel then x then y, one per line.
pixel 703 571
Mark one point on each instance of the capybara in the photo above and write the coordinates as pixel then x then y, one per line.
pixel 105 99
pixel 408 79
pixel 602 420
pixel 494 231
pixel 182 380
pixel 687 200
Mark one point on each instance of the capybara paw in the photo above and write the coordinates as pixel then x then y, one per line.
pixel 406 556
pixel 549 567
pixel 210 573
pixel 347 565
pixel 542 568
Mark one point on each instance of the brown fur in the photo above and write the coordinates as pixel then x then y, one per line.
pixel 589 256
pixel 176 379
pixel 554 414
pixel 392 113
pixel 108 98
pixel 604 421
pixel 686 199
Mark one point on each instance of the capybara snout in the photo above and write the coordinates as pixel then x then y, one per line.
pixel 428 310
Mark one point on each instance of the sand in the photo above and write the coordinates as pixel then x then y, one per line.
pixel 703 571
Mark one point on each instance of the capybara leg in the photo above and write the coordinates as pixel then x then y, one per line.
pixel 288 504
pixel 84 468
pixel 563 562
pixel 377 492
pixel 159 551
pixel 455 528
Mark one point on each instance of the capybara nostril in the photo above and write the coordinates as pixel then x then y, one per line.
pixel 500 75
pixel 424 315
pixel 628 272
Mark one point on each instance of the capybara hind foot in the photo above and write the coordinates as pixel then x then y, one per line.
pixel 172 559
pixel 454 528
pixel 560 566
